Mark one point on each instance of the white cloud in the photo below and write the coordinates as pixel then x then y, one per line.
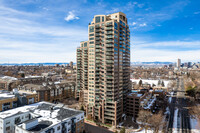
pixel 155 18
pixel 196 13
pixel 140 5
pixel 134 4
pixel 71 16
pixel 44 8
pixel 174 44
pixel 143 25
pixel 163 55
pixel 134 23
pixel 154 51
pixel 6 11
pixel 24 39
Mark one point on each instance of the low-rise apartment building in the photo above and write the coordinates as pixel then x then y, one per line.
pixel 144 100
pixel 42 117
pixel 6 82
pixel 51 91
pixel 9 100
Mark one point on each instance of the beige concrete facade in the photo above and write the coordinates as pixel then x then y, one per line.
pixel 103 67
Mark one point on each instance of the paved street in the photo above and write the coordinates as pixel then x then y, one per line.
pixel 94 129
pixel 179 119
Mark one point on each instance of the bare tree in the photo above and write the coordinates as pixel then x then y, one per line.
pixel 144 118
pixel 195 111
pixel 159 82
pixel 163 84
pixel 140 83
pixel 194 76
pixel 156 121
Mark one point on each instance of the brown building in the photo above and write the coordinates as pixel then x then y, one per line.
pixel 145 100
pixel 31 80
pixel 7 82
pixel 51 91
pixel 134 103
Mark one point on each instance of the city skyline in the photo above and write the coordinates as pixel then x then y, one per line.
pixel 38 31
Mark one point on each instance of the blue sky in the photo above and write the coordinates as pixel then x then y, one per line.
pixel 50 30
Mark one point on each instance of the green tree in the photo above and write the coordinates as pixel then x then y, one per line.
pixel 153 85
pixel 123 130
pixel 190 91
pixel 82 108
pixel 159 82
pixel 163 84
pixel 22 75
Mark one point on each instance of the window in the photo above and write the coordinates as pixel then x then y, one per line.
pixel 97 19
pixel 91 29
pixel 91 35
pixel 85 44
pixel 92 42
pixel 116 26
pixel 17 120
pixel 7 128
pixel 103 19
pixel 58 128
pixel 7 122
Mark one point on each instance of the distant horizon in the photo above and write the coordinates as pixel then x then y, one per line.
pixel 75 62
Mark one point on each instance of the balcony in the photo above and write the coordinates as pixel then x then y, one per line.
pixel 97 30
pixel 109 33
pixel 109 37
pixel 109 50
pixel 97 38
pixel 98 42
pixel 109 77
pixel 97 26
pixel 97 34
pixel 109 54
pixel 110 86
pixel 109 45
pixel 110 113
pixel 109 58
pixel 110 41
pixel 109 24
pixel 109 28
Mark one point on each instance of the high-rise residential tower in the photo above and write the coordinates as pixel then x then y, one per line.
pixel 103 68
pixel 178 63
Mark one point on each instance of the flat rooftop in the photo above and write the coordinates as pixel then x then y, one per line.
pixel 6 96
pixel 135 93
pixel 47 114
pixel 8 78
pixel 58 112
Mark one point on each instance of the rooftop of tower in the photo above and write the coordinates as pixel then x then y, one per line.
pixel 114 16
